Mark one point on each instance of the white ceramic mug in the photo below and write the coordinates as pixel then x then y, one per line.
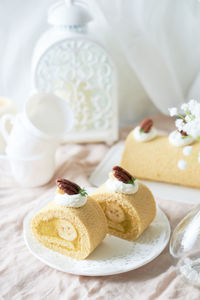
pixel 40 128
pixel 33 171
pixel 21 142
pixel 35 136
pixel 48 116
pixel 6 106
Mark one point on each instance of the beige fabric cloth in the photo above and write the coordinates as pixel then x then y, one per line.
pixel 22 276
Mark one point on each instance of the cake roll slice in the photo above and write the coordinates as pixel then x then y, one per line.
pixel 73 224
pixel 129 205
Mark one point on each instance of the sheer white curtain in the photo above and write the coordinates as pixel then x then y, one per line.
pixel 155 45
pixel 161 43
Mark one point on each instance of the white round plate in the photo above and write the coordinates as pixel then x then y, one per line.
pixel 112 256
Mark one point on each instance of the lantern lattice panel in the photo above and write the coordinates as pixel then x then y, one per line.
pixel 81 72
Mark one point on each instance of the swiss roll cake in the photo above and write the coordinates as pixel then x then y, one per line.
pixel 72 224
pixel 128 204
pixel 169 158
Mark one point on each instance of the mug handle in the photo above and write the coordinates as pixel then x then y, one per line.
pixel 3 123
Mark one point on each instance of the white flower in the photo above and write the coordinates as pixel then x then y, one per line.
pixel 173 111
pixel 195 133
pixel 193 128
pixel 192 105
pixel 185 106
pixel 194 108
pixel 196 111
pixel 191 122
pixel 179 124
pixel 186 127
pixel 187 118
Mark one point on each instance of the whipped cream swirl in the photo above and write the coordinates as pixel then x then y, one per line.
pixel 182 164
pixel 187 150
pixel 177 140
pixel 115 185
pixel 76 200
pixel 144 136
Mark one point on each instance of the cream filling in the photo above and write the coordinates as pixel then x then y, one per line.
pixel 115 185
pixel 142 136
pixel 70 200
pixel 177 140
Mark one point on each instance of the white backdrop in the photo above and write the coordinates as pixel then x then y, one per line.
pixel 155 44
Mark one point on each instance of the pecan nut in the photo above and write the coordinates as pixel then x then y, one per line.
pixel 183 133
pixel 121 174
pixel 67 186
pixel 146 125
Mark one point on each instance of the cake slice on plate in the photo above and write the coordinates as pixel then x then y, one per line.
pixel 128 204
pixel 72 224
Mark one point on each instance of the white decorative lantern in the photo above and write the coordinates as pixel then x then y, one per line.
pixel 70 64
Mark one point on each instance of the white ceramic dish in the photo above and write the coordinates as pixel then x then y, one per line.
pixel 159 189
pixel 113 256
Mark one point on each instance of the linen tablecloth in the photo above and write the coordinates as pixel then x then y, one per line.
pixel 22 276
